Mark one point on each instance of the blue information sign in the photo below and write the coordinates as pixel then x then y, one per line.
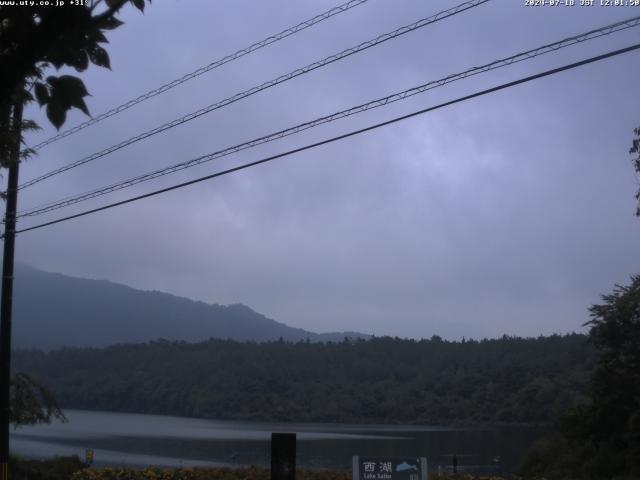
pixel 389 468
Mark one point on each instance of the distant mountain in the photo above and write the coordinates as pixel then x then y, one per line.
pixel 52 310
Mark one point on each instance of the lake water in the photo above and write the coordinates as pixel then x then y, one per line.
pixel 141 440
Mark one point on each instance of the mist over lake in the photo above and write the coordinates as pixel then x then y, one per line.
pixel 141 440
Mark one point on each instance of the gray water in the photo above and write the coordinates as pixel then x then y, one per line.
pixel 142 440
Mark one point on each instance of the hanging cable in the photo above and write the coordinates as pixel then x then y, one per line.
pixel 339 137
pixel 281 79
pixel 207 68
pixel 527 55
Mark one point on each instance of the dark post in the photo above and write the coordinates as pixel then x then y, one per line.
pixel 283 456
pixel 7 291
pixel 455 463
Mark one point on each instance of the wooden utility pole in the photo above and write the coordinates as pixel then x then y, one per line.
pixel 7 286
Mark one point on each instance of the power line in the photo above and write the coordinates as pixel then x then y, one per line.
pixel 529 54
pixel 207 68
pixel 340 137
pixel 271 83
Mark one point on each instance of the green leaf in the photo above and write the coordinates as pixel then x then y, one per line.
pixel 52 81
pixel 30 125
pixel 98 37
pixel 71 53
pixel 79 104
pixel 26 96
pixel 25 153
pixel 31 403
pixel 69 85
pixel 39 69
pixel 56 62
pixel 67 91
pixel 79 60
pixel 100 57
pixel 110 23
pixel 56 113
pixel 42 93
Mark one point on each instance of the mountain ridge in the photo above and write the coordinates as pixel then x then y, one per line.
pixel 53 310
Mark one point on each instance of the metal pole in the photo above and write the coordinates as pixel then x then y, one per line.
pixel 7 290
pixel 283 456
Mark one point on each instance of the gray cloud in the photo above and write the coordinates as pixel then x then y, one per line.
pixel 510 213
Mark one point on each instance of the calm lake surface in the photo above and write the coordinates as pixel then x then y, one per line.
pixel 141 440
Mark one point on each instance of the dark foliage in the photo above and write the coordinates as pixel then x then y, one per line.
pixel 635 149
pixel 61 468
pixel 31 402
pixel 600 438
pixel 507 380
pixel 36 37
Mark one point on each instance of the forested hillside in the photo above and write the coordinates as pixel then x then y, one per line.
pixel 507 380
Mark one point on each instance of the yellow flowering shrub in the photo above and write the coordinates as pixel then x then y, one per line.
pixel 226 474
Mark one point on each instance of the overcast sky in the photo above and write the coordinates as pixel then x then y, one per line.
pixel 506 214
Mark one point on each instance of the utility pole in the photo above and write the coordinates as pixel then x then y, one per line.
pixel 7 286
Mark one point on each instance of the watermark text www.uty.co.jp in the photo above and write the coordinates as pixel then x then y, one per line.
pixel 44 3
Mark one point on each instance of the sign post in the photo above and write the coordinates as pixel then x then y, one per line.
pixel 88 456
pixel 283 456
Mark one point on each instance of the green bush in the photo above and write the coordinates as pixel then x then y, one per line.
pixel 59 468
